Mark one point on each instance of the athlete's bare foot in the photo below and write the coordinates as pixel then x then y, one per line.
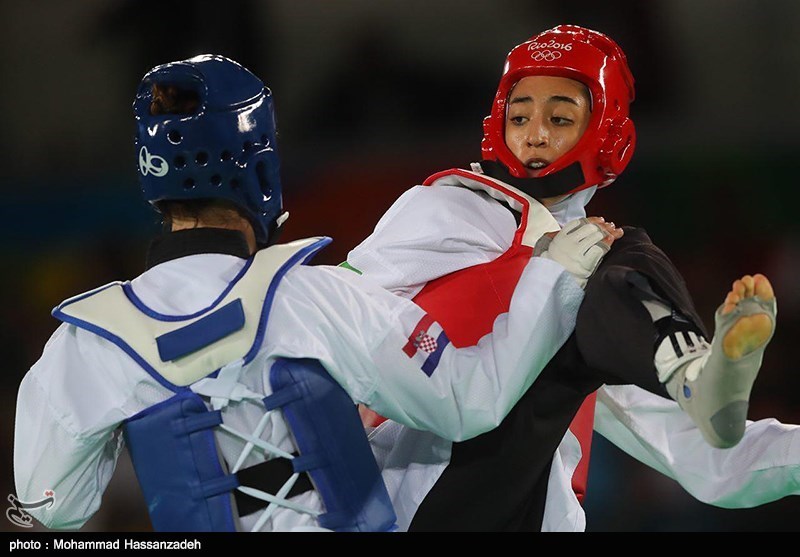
pixel 750 332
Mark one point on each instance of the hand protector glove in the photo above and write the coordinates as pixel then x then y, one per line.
pixel 578 247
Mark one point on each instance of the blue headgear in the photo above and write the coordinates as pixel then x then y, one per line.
pixel 226 149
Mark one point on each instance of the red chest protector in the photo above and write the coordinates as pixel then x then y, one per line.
pixel 467 302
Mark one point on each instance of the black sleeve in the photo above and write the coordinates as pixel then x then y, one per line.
pixel 615 333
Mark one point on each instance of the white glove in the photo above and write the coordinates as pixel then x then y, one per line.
pixel 578 247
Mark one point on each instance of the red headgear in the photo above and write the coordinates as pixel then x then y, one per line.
pixel 598 62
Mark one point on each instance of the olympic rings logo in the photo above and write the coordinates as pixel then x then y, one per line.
pixel 545 55
pixel 152 164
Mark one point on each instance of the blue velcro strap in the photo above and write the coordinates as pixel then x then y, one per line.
pixel 306 462
pixel 282 397
pixel 328 432
pixel 203 332
pixel 197 422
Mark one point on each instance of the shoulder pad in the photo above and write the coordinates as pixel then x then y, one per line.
pixel 183 349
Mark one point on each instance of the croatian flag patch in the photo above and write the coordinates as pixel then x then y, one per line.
pixel 426 344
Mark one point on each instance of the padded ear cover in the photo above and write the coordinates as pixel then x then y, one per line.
pixel 618 146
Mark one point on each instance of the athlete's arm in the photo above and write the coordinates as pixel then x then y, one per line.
pixel 388 354
pixel 65 433
pixel 763 467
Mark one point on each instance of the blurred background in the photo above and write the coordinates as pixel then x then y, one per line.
pixel 371 98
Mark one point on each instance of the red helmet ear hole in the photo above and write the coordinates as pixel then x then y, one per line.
pixel 622 151
pixel 622 138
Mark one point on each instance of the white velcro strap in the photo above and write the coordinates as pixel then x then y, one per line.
pixel 674 351
pixel 225 387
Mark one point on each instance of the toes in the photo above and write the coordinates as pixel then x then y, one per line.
pixel 763 288
pixel 749 286
pixel 732 298
pixel 738 288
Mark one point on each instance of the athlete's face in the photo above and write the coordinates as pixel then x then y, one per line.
pixel 546 117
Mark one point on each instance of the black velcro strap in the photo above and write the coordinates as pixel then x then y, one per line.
pixel 667 326
pixel 269 477
pixel 673 325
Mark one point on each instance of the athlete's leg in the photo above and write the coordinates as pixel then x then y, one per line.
pixel 635 299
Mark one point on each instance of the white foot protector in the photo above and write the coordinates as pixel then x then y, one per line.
pixel 712 389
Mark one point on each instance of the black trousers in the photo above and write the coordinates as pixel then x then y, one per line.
pixel 498 480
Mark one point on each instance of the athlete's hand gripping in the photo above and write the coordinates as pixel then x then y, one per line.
pixel 579 246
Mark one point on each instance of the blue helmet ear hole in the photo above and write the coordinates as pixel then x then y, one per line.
pixel 201 158
pixel 225 156
pixel 234 184
pixel 247 145
pixel 216 180
pixel 188 184
pixel 174 137
pixel 263 183
pixel 180 162
pixel 264 139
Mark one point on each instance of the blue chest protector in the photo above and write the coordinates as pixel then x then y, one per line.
pixel 173 447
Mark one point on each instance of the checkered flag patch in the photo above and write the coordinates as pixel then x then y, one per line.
pixel 426 343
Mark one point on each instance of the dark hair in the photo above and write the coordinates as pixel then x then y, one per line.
pixel 212 212
pixel 170 99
